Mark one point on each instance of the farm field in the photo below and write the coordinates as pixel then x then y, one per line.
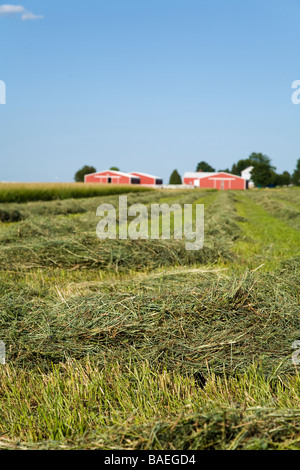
pixel 26 192
pixel 141 344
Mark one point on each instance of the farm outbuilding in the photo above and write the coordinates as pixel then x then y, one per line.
pixel 112 177
pixel 147 179
pixel 219 180
pixel 247 175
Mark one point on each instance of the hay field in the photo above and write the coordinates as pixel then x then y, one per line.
pixel 123 344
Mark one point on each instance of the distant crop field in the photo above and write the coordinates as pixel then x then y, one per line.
pixel 25 192
pixel 141 344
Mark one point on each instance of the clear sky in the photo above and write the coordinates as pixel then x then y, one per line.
pixel 148 85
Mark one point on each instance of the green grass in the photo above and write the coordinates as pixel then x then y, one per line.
pixel 104 337
pixel 279 205
pixel 79 405
pixel 267 239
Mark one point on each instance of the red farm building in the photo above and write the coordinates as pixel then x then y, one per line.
pixel 112 177
pixel 147 179
pixel 219 180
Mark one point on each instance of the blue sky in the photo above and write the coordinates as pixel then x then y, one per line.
pixel 148 85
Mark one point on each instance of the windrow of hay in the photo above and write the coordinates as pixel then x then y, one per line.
pixel 86 252
pixel 65 207
pixel 68 242
pixel 10 216
pixel 180 322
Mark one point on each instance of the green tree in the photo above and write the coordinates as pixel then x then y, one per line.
pixel 114 168
pixel 263 173
pixel 240 166
pixel 85 170
pixel 203 166
pixel 296 174
pixel 175 178
pixel 286 178
pixel 283 179
pixel 260 158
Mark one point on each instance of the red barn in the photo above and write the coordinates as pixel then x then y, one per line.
pixel 111 177
pixel 220 180
pixel 147 179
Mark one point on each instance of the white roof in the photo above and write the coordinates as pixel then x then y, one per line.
pixel 146 174
pixel 120 173
pixel 247 173
pixel 250 168
pixel 205 174
pixel 197 175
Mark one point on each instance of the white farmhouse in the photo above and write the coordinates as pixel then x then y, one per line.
pixel 246 174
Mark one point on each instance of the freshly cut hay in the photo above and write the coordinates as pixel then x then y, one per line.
pixel 10 216
pixel 86 252
pixel 185 322
pixel 42 241
pixel 67 242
